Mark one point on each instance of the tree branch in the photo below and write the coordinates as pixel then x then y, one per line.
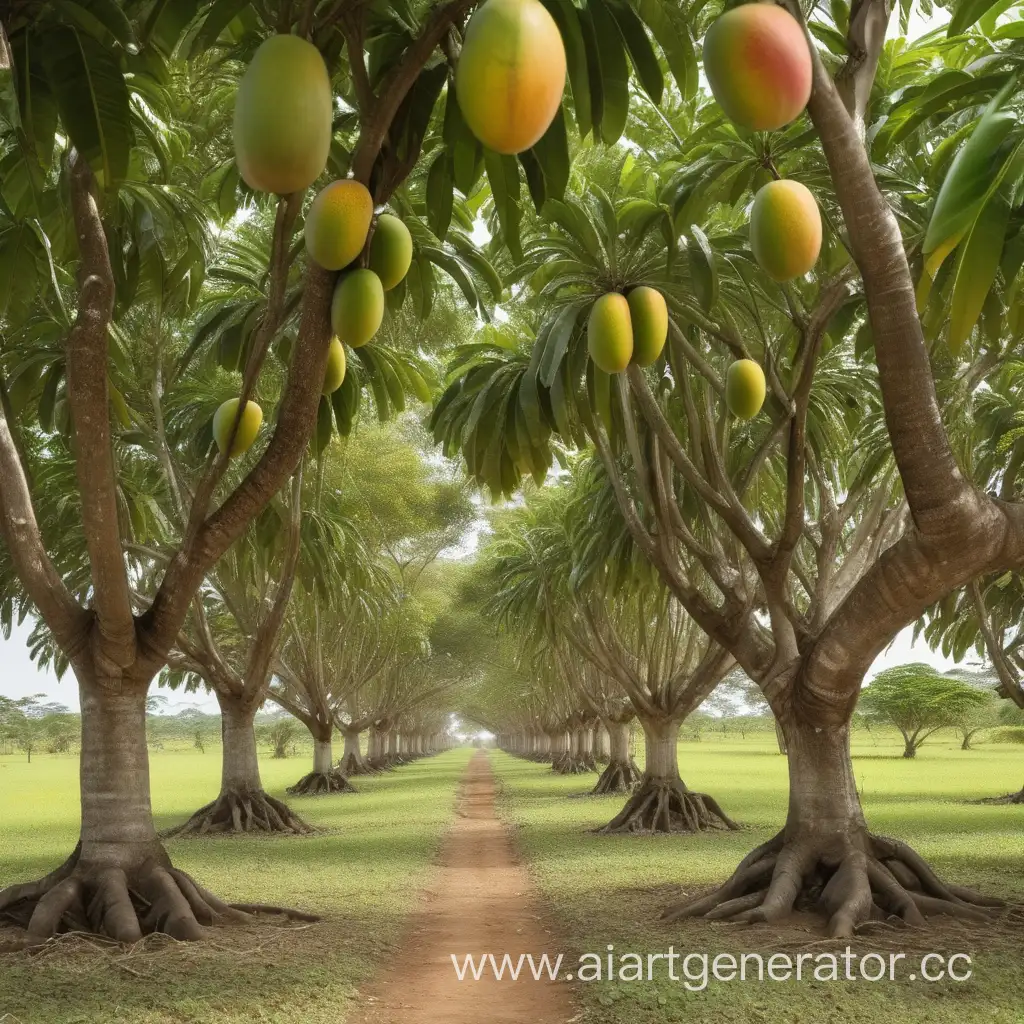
pixel 398 83
pixel 295 422
pixel 90 413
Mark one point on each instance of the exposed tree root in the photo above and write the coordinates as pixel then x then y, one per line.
pixel 123 905
pixel 569 765
pixel 618 777
pixel 322 783
pixel 853 878
pixel 660 805
pixel 353 765
pixel 1010 798
pixel 234 812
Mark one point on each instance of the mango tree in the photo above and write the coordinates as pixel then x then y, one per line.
pixel 785 536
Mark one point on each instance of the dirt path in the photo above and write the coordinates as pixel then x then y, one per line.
pixel 478 901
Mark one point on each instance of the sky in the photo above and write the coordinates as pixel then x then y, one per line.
pixel 19 677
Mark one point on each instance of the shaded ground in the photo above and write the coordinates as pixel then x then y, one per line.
pixel 478 901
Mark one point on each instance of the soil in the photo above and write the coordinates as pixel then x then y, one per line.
pixel 479 901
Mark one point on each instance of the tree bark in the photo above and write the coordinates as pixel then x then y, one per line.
pixel 352 760
pixel 325 777
pixel 242 804
pixel 662 803
pixel 909 747
pixel 622 774
pixel 826 859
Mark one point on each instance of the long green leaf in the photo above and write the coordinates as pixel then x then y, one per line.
pixel 614 72
pixel 92 99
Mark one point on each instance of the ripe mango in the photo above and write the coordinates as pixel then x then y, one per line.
pixel 610 333
pixel 758 65
pixel 785 229
pixel 248 426
pixel 511 74
pixel 283 115
pixel 337 224
pixel 357 307
pixel 744 389
pixel 649 316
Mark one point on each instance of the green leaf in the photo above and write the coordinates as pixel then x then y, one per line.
pixel 641 53
pixel 970 175
pixel 966 13
pixel 567 18
pixel 614 70
pixel 440 194
pixel 324 426
pixel 702 269
pixel 466 152
pixel 37 105
pixel 218 17
pixel 534 178
pixel 98 16
pixel 558 340
pixel 552 153
pixel 454 269
pixel 167 21
pixel 503 176
pixel 93 101
pixel 977 265
pixel 669 28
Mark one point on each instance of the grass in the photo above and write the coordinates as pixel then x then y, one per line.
pixel 601 889
pixel 362 874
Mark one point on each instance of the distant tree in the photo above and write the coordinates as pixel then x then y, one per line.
pixel 60 728
pixel 973 719
pixel 21 722
pixel 917 699
pixel 281 734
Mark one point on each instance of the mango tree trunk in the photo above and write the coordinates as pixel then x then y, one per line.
pixel 325 777
pixel 662 803
pixel 825 858
pixel 119 881
pixel 242 804
pixel 622 774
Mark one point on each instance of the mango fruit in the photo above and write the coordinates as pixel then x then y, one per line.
pixel 610 333
pixel 649 316
pixel 758 65
pixel 357 307
pixel 390 251
pixel 283 115
pixel 785 229
pixel 337 224
pixel 334 375
pixel 248 426
pixel 744 389
pixel 511 74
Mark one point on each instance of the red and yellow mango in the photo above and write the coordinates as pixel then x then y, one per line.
pixel 758 65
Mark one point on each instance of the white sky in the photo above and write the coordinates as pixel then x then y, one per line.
pixel 19 677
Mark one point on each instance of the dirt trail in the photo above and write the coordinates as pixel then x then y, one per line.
pixel 478 902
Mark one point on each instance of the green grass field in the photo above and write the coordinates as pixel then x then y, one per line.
pixel 364 871
pixel 610 889
pixel 363 874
